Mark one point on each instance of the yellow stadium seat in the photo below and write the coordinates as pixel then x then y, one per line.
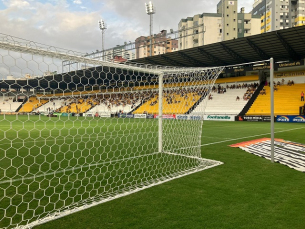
pixel 287 100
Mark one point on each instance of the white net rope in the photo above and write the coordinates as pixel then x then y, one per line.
pixel 78 135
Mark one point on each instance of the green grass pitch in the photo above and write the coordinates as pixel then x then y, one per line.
pixel 245 192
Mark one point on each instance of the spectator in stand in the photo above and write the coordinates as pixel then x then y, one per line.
pixel 290 83
pixel 302 96
pixel 283 81
pixel 263 92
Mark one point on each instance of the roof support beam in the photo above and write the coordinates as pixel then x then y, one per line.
pixel 259 52
pixel 171 61
pixel 195 62
pixel 211 57
pixel 289 49
pixel 233 54
pixel 150 61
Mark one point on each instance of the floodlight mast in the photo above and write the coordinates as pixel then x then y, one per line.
pixel 150 10
pixel 103 27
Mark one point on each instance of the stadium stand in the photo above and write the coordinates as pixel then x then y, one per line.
pixel 7 104
pixel 218 105
pixel 228 99
pixel 178 102
pixel 286 101
pixel 113 103
pixel 51 106
pixel 77 105
pixel 225 103
pixel 32 104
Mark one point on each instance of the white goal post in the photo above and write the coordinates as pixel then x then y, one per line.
pixel 76 136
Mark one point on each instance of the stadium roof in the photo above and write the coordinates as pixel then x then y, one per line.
pixel 282 45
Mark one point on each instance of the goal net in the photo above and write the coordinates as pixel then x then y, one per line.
pixel 77 132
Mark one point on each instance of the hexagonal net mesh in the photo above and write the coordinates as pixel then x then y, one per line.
pixel 76 135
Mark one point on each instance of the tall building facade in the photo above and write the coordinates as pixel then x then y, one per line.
pixel 119 51
pixel 228 11
pixel 279 14
pixel 161 44
pixel 226 24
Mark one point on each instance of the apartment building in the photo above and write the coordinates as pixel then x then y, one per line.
pixel 160 44
pixel 228 23
pixel 120 51
pixel 279 14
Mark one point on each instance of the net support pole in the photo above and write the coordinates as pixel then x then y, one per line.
pixel 272 107
pixel 160 132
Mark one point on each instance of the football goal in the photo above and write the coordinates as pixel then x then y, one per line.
pixel 77 131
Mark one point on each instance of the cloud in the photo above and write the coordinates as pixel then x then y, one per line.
pixel 16 3
pixel 79 2
pixel 75 26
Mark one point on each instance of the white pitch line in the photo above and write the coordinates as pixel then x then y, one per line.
pixel 257 135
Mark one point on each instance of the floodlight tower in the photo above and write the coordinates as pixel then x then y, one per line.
pixel 150 10
pixel 103 27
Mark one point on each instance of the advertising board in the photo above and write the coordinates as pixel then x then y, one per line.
pixel 140 116
pixel 150 116
pixel 126 116
pixel 290 118
pixel 172 116
pixel 104 115
pixel 230 118
pixel 253 118
pixel 188 117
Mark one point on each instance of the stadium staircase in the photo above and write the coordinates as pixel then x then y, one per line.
pixel 251 101
pixel 287 100
pixel 196 104
pixel 21 105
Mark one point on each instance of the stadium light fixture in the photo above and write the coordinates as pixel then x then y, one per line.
pixel 150 10
pixel 103 27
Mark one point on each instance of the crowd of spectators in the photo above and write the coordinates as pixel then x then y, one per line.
pixel 109 100
pixel 251 87
pixel 177 95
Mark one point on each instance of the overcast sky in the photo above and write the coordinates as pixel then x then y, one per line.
pixel 73 24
